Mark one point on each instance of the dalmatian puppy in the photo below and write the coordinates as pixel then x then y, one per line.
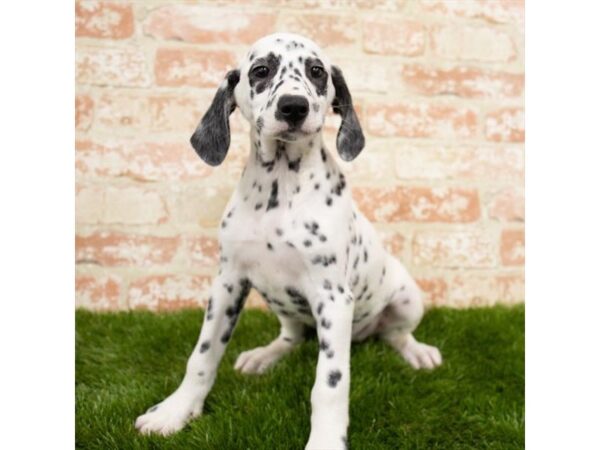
pixel 292 231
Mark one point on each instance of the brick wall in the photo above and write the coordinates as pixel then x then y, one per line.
pixel 439 90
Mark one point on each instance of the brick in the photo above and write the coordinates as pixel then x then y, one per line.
pixel 418 204
pixel 98 19
pixel 120 249
pixel 393 241
pixel 496 11
pixel 421 120
pixel 454 249
pixel 462 81
pixel 371 164
pixel 434 290
pixel 508 205
pixel 100 293
pixel 192 67
pixel 367 73
pixel 138 160
pixel 325 30
pixel 472 43
pixel 390 36
pixel 200 205
pixel 441 162
pixel 111 66
pixel 485 289
pixel 119 205
pixel 169 292
pixel 84 112
pixel 203 251
pixel 255 300
pixel 206 25
pixel 505 125
pixel 513 247
pixel 377 5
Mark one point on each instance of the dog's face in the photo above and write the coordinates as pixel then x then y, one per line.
pixel 284 88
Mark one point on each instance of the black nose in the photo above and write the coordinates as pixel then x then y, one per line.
pixel 292 109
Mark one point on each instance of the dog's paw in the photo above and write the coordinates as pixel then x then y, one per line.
pixel 169 416
pixel 327 442
pixel 421 356
pixel 257 360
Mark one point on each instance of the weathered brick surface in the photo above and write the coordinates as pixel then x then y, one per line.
pixel 418 204
pixel 98 293
pixel 463 81
pixel 421 120
pixel 388 36
pixel 455 249
pixel 472 43
pixel 505 125
pixel 438 86
pixel 191 67
pixel 119 249
pixel 112 66
pixel 167 292
pixel 106 20
pixel 208 25
pixel 513 247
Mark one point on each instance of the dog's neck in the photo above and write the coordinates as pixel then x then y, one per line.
pixel 296 157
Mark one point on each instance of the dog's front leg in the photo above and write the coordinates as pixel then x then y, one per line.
pixel 228 294
pixel 330 393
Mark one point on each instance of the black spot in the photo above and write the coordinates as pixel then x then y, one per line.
pixel 322 238
pixel 223 224
pixel 341 289
pixel 327 285
pixel 307 243
pixel 204 346
pixel 339 187
pixel 320 308
pixel 287 339
pixel 317 186
pixel 258 206
pixel 366 255
pixel 294 165
pixel 319 82
pixel 406 302
pixel 273 202
pixel 154 408
pixel 229 287
pixel 334 377
pixel 323 155
pixel 269 246
pixel 201 373
pixel 272 62
pixel 325 323
pixel 328 201
pixel 278 231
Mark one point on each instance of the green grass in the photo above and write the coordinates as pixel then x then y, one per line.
pixel 126 362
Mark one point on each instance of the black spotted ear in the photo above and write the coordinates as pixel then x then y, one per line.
pixel 212 136
pixel 350 138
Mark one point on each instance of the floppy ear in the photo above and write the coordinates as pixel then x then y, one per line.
pixel 212 136
pixel 350 139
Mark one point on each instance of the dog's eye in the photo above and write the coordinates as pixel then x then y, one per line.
pixel 260 71
pixel 317 71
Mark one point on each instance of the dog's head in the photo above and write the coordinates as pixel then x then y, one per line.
pixel 283 87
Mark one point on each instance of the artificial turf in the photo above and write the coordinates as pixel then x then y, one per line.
pixel 127 362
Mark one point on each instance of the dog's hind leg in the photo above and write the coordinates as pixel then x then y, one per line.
pixel 400 318
pixel 260 359
pixel 228 294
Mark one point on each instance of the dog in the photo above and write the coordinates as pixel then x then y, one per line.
pixel 292 231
